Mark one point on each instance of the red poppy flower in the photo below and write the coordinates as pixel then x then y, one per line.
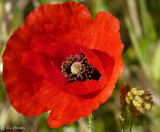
pixel 62 60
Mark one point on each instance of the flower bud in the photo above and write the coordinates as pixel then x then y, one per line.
pixel 147 97
pixel 141 110
pixel 137 104
pixel 130 95
pixel 128 100
pixel 148 106
pixel 138 101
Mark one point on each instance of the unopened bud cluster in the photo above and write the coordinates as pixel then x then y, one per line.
pixel 139 101
pixel 134 100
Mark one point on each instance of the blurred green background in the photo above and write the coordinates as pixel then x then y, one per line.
pixel 140 33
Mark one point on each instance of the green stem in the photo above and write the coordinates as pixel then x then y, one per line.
pixel 131 125
pixel 91 123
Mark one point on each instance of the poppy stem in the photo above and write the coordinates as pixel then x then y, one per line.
pixel 131 125
pixel 91 123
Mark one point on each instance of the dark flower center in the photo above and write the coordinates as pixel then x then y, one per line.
pixel 77 68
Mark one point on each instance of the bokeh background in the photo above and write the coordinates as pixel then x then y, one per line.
pixel 140 34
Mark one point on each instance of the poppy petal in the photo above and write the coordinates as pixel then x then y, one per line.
pixel 76 19
pixel 65 113
pixel 22 84
pixel 27 92
pixel 43 66
pixel 39 99
pixel 107 62
pixel 48 19
pixel 104 34
pixel 48 46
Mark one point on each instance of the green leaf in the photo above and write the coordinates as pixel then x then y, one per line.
pixel 155 65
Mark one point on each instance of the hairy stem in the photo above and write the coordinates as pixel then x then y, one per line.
pixel 91 123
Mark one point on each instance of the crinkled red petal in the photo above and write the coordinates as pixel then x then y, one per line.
pixel 104 34
pixel 43 66
pixel 27 92
pixel 108 62
pixel 57 51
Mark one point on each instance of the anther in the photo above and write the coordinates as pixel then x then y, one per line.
pixel 77 68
